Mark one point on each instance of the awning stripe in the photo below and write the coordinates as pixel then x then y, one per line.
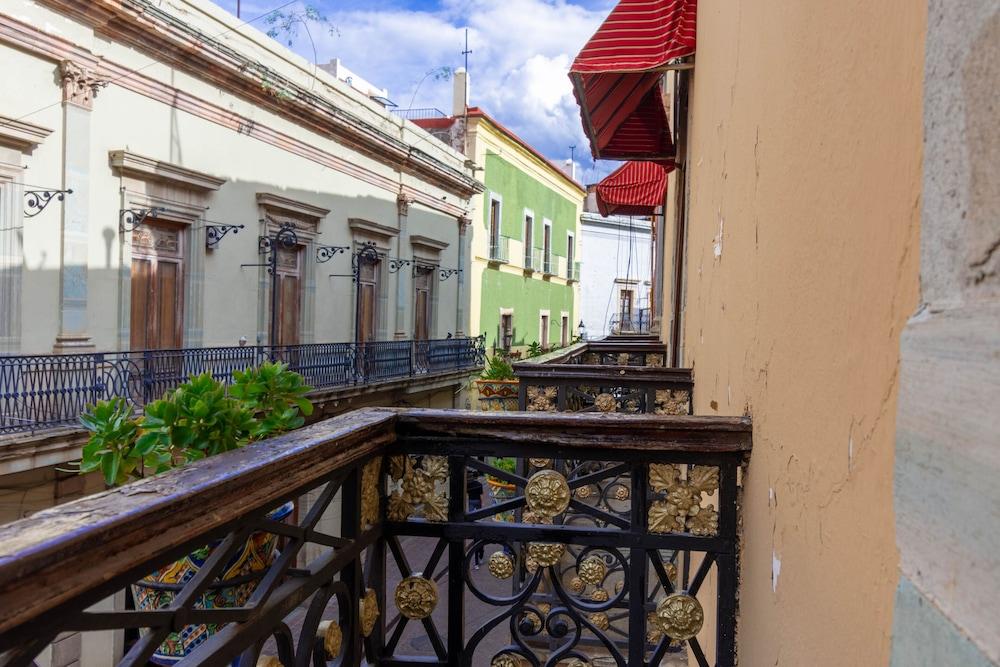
pixel 635 188
pixel 615 77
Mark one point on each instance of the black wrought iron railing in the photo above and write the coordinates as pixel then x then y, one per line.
pixel 46 391
pixel 618 546
pixel 605 376
pixel 628 323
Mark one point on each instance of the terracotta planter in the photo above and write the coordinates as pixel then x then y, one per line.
pixel 242 574
pixel 497 395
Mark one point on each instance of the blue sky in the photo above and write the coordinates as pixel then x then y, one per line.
pixel 521 51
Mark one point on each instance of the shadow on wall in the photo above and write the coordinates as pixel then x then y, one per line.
pixel 226 296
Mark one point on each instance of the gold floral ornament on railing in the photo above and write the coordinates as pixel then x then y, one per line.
pixel 330 634
pixel 501 565
pixel 678 616
pixel 654 360
pixel 416 597
pixel 547 493
pixel 419 490
pixel 368 612
pixel 542 399
pixel 605 403
pixel 369 492
pixel 681 509
pixel 672 402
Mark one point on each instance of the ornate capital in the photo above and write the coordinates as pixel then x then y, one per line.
pixel 403 204
pixel 79 83
pixel 463 224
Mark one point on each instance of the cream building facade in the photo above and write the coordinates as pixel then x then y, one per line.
pixel 180 109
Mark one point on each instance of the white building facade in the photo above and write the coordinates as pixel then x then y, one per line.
pixel 615 284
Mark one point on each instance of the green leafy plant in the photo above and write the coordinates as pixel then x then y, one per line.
pixel 197 419
pixel 535 350
pixel 505 463
pixel 497 368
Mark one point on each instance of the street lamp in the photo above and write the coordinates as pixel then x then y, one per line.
pixel 581 331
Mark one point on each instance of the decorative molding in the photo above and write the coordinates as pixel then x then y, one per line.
pixel 403 204
pixel 169 39
pixel 291 207
pixel 372 228
pixel 148 168
pixel 79 84
pixel 20 134
pixel 428 244
pixel 43 44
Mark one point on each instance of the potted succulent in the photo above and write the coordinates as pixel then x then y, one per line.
pixel 497 385
pixel 199 418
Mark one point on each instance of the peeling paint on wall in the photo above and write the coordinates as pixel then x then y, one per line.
pixel 775 571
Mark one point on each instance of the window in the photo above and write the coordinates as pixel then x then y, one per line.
pixel 626 298
pixel 570 257
pixel 564 334
pixel 368 288
pixel 545 331
pixel 529 228
pixel 547 246
pixel 422 285
pixel 157 287
pixel 506 331
pixel 495 228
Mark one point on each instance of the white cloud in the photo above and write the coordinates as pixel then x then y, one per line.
pixel 521 53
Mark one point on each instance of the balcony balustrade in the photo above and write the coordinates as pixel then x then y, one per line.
pixel 500 250
pixel 46 391
pixel 605 376
pixel 619 546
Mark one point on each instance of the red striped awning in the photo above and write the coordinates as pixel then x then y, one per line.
pixel 616 77
pixel 635 188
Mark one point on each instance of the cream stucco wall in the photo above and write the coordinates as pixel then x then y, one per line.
pixel 177 117
pixel 802 261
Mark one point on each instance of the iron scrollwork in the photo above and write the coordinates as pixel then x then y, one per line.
pixel 324 253
pixel 367 253
pixel 215 232
pixel 129 219
pixel 395 264
pixel 448 273
pixel 35 201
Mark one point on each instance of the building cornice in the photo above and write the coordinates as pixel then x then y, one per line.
pixel 427 243
pixel 151 168
pixel 373 228
pixel 147 28
pixel 45 45
pixel 21 134
pixel 286 205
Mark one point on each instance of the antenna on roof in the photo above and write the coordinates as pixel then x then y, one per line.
pixel 467 50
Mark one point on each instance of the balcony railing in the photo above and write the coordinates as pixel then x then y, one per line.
pixel 638 322
pixel 573 271
pixel 533 259
pixel 46 391
pixel 620 546
pixel 500 249
pixel 605 376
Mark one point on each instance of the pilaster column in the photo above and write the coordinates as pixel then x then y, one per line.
pixel 462 301
pixel 404 282
pixel 80 86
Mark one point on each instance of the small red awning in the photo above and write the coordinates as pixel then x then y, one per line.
pixel 616 76
pixel 635 188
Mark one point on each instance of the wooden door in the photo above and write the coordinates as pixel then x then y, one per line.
pixel 367 300
pixel 422 304
pixel 545 332
pixel 289 302
pixel 157 288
